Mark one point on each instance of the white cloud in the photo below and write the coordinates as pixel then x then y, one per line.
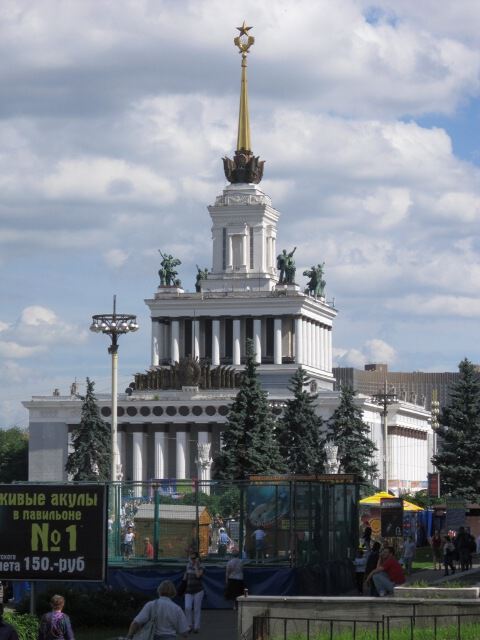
pixel 115 258
pixel 41 326
pixel 4 326
pixel 10 349
pixel 438 306
pixel 373 351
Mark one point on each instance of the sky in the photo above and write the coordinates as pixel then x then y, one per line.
pixel 114 117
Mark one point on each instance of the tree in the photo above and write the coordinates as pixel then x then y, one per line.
pixel 13 455
pixel 458 459
pixel 249 443
pixel 351 435
pixel 299 430
pixel 91 441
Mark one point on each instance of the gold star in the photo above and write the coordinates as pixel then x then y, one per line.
pixel 244 29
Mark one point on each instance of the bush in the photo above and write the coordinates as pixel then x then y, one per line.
pixel 91 608
pixel 25 624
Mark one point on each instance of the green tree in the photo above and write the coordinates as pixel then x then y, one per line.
pixel 299 430
pixel 91 441
pixel 249 442
pixel 351 435
pixel 458 459
pixel 13 455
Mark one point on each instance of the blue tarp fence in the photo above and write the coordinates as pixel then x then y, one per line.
pixel 327 579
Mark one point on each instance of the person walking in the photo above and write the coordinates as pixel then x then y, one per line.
pixel 259 535
pixel 408 554
pixel 224 541
pixel 360 562
pixel 194 592
pixel 388 574
pixel 7 632
pixel 128 540
pixel 56 624
pixel 448 555
pixel 437 550
pixel 169 617
pixel 372 563
pixel 234 579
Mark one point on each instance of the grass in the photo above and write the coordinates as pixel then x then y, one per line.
pixel 423 559
pixel 444 632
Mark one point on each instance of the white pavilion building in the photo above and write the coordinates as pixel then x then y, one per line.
pixel 170 421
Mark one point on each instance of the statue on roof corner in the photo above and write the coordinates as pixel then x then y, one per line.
pixel 167 272
pixel 245 167
pixel 316 284
pixel 202 274
pixel 286 266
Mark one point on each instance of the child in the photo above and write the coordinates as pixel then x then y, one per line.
pixel 360 562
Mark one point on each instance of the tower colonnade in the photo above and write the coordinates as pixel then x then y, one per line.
pixel 222 340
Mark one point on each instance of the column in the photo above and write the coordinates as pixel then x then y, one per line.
pixel 298 341
pixel 318 334
pixel 257 339
pixel 236 350
pixel 160 454
pixel 175 341
pixel 181 455
pixel 277 341
pixel 324 347
pixel 244 250
pixel 204 461
pixel 329 349
pixel 229 251
pixel 155 342
pixel 215 342
pixel 306 359
pixel 314 344
pixel 196 338
pixel 310 342
pixel 137 462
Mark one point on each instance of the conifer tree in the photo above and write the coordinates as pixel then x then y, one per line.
pixel 91 441
pixel 299 430
pixel 249 441
pixel 458 458
pixel 351 435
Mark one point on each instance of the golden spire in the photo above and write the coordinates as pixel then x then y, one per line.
pixel 244 41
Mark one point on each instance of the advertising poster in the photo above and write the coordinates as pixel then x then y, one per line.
pixel 391 514
pixel 53 532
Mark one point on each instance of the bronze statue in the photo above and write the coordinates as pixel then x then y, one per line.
pixel 168 274
pixel 202 274
pixel 316 284
pixel 286 266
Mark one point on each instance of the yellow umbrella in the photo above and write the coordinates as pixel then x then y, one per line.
pixel 375 499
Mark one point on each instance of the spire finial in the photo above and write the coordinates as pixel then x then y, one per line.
pixel 244 167
pixel 244 41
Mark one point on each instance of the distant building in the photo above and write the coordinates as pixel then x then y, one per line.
pixel 416 387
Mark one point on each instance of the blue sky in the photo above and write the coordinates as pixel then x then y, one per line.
pixel 114 117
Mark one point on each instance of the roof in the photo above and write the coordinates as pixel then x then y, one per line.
pixel 185 512
pixel 375 499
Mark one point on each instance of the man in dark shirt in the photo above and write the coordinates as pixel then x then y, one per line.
pixel 7 632
pixel 388 574
pixel 372 561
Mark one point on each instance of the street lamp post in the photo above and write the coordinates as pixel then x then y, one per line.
pixel 114 324
pixel 384 397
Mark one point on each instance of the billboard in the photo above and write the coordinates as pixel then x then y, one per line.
pixel 391 515
pixel 53 532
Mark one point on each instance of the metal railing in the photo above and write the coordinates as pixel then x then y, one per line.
pixel 412 627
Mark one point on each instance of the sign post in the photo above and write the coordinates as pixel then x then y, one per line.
pixel 53 532
pixel 391 517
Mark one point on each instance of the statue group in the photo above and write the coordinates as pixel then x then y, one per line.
pixel 167 272
pixel 316 284
pixel 202 274
pixel 286 266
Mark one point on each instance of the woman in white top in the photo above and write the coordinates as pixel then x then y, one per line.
pixel 169 617
pixel 235 585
